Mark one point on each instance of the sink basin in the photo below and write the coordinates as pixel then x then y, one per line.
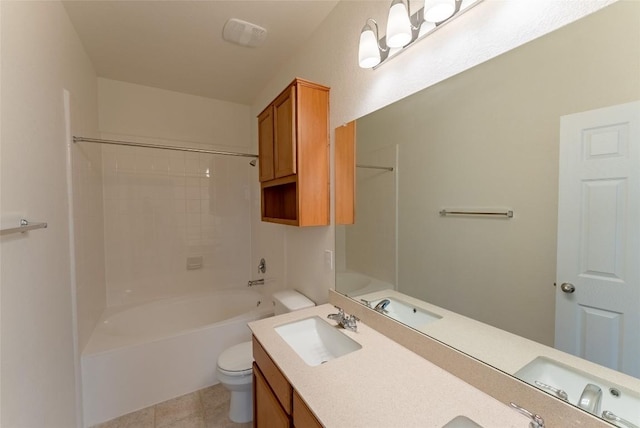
pixel 461 422
pixel 316 341
pixel 407 314
pixel 621 401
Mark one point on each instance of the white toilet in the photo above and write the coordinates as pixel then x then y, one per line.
pixel 234 369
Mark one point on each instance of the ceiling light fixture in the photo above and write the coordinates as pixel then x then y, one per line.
pixel 401 33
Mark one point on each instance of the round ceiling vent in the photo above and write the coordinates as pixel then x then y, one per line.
pixel 243 33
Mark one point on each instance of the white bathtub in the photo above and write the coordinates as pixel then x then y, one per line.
pixel 142 355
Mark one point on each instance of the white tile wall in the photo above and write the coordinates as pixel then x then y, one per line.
pixel 162 207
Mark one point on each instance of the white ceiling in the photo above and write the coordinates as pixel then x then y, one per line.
pixel 177 45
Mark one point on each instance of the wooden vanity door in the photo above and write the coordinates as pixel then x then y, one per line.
pixel 267 413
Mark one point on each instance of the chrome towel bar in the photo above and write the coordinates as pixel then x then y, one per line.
pixel 507 213
pixel 384 168
pixel 25 226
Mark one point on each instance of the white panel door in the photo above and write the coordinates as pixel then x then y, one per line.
pixel 599 237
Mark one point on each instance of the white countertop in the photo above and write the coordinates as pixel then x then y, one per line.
pixel 381 385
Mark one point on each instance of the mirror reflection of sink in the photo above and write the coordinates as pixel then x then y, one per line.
pixel 461 422
pixel 316 341
pixel 410 315
pixel 548 374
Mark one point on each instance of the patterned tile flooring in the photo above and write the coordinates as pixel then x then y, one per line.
pixel 207 408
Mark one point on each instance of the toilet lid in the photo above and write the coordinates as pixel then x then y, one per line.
pixel 236 358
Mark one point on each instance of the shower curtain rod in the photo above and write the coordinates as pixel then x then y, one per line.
pixel 158 146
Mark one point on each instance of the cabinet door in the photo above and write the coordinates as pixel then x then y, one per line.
pixel 284 122
pixel 302 415
pixel 265 145
pixel 268 413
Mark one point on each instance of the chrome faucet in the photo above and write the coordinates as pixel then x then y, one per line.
pixel 536 420
pixel 590 399
pixel 255 282
pixel 617 420
pixel 344 321
pixel 382 306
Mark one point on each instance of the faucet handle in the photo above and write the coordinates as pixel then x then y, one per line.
pixel 536 420
pixel 339 317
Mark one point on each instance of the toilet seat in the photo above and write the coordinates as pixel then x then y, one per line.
pixel 237 360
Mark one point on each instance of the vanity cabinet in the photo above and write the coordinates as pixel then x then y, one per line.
pixel 275 403
pixel 293 140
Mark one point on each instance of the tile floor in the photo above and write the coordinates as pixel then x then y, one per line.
pixel 207 408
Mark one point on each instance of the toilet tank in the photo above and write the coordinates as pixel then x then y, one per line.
pixel 290 300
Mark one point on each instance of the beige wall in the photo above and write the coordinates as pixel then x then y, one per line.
pixel 41 56
pixel 488 138
pixel 371 243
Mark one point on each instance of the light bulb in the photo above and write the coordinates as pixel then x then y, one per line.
pixel 438 10
pixel 398 25
pixel 368 52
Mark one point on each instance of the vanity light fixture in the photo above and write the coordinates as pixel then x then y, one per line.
pixel 399 26
pixel 370 49
pixel 404 29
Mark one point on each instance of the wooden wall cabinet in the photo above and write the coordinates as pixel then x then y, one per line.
pixel 293 140
pixel 275 403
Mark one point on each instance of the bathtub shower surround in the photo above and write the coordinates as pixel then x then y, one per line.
pixel 175 222
pixel 146 354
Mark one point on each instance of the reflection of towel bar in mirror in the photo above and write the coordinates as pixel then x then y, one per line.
pixel 385 168
pixel 25 226
pixel 507 213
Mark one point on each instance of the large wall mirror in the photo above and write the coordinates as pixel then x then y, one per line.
pixel 489 141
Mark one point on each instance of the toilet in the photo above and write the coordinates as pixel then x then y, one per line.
pixel 234 368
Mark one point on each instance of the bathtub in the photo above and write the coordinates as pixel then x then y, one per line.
pixel 141 355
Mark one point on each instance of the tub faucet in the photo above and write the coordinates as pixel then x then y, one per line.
pixel 255 282
pixel 590 399
pixel 344 321
pixel 382 306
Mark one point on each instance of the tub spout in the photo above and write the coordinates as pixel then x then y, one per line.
pixel 255 282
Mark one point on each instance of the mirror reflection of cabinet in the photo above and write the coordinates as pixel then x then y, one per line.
pixel 345 168
pixel 293 152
